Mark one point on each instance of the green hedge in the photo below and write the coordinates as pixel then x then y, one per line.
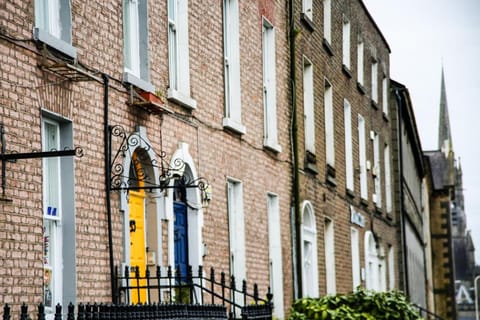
pixel 359 305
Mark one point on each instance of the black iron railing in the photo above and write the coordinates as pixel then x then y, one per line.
pixel 427 314
pixel 170 286
pixel 167 295
pixel 120 312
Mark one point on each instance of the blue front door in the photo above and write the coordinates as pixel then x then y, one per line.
pixel 181 238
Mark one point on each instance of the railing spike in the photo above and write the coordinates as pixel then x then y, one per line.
pixel 81 312
pixel 23 311
pixel 232 282
pixel 71 312
pixel 269 295
pixel 6 312
pixel 41 311
pixel 58 312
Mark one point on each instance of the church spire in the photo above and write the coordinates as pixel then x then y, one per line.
pixel 444 135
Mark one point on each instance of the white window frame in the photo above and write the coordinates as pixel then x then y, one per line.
pixel 346 42
pixel 55 243
pixel 388 179
pixel 374 81
pixel 135 49
pixel 275 253
pixel 371 262
pixel 391 268
pixel 330 273
pixel 355 250
pixel 178 54
pixel 360 61
pixel 362 157
pixel 349 172
pixel 327 20
pixel 385 95
pixel 132 37
pixel 231 54
pixel 308 105
pixel 269 87
pixel 236 225
pixel 53 25
pixel 329 124
pixel 377 171
pixel 307 9
pixel 309 259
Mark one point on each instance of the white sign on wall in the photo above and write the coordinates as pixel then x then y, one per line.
pixel 356 217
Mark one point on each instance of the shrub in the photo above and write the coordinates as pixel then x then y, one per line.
pixel 359 305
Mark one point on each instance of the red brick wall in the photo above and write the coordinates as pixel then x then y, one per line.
pixel 328 200
pixel 98 36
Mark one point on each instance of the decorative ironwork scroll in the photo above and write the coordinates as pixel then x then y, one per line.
pixel 140 174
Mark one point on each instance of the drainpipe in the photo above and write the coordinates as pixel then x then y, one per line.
pixel 297 264
pixel 402 214
pixel 106 133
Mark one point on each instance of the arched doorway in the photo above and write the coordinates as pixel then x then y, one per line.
pixel 183 203
pixel 136 223
pixel 309 252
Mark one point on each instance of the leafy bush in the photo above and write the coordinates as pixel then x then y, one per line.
pixel 359 305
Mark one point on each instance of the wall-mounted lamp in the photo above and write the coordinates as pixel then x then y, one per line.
pixel 207 194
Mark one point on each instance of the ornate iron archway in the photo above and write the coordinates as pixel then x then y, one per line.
pixel 124 179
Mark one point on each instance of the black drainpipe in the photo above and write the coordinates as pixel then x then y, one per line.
pixel 106 133
pixel 294 136
pixel 402 214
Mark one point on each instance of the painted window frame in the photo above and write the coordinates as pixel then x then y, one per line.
pixel 327 21
pixel 391 267
pixel 375 264
pixel 377 170
pixel 307 9
pixel 52 218
pixel 231 55
pixel 63 267
pixel 179 55
pixel 309 105
pixel 53 26
pixel 360 61
pixel 362 157
pixel 371 262
pixel 349 171
pixel 385 95
pixel 374 80
pixel 135 50
pixel 346 42
pixel 275 253
pixel 329 124
pixel 269 87
pixel 309 235
pixel 388 179
pixel 236 221
pixel 330 268
pixel 355 251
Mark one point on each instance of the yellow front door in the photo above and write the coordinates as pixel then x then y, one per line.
pixel 137 244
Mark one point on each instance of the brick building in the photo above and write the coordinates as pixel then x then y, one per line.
pixel 345 223
pixel 412 214
pixel 219 75
pixel 254 137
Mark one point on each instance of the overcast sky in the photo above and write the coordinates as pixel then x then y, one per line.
pixel 424 35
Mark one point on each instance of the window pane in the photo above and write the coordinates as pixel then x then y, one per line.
pixel 348 146
pixel 329 125
pixel 48 261
pixel 51 170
